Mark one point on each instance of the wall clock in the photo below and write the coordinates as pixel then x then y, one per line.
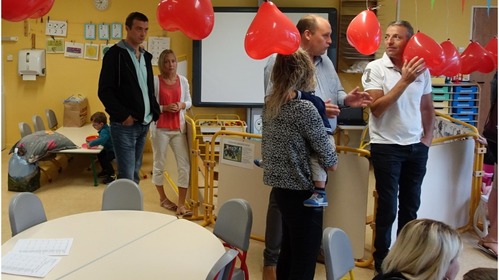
pixel 103 31
pixel 116 31
pixel 90 31
pixel 101 5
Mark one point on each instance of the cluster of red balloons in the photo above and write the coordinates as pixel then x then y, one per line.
pixel 18 10
pixel 444 59
pixel 195 18
pixel 270 32
pixel 364 33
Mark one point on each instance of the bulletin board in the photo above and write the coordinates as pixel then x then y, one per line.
pixel 223 74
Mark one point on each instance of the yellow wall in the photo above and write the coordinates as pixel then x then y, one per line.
pixel 67 76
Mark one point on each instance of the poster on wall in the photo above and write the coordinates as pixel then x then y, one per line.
pixel 91 51
pixel 55 45
pixel 156 46
pixel 237 153
pixel 73 50
pixel 104 48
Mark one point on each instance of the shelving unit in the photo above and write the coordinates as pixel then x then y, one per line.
pixel 349 10
pixel 460 101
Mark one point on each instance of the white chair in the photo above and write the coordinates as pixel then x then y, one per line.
pixel 233 227
pixel 51 119
pixel 122 194
pixel 338 256
pixel 224 267
pixel 25 210
pixel 38 124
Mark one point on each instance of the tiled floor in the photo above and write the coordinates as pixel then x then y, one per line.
pixel 72 191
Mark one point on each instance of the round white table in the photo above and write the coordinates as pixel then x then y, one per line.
pixel 127 245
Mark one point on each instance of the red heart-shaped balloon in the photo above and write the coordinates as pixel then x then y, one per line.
pixel 43 9
pixel 452 65
pixel 476 58
pixel 423 46
pixel 18 10
pixel 364 33
pixel 488 63
pixel 195 18
pixel 270 32
pixel 492 48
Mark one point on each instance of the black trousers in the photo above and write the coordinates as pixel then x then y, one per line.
pixel 301 235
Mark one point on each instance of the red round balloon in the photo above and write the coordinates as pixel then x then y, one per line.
pixel 364 33
pixel 43 9
pixel 18 10
pixel 476 58
pixel 270 32
pixel 423 46
pixel 492 48
pixel 452 65
pixel 195 18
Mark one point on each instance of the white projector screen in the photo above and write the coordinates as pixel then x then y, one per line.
pixel 223 74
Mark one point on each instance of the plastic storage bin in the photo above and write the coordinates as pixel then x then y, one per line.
pixel 440 93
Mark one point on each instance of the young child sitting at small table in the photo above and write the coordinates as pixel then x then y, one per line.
pixel 106 156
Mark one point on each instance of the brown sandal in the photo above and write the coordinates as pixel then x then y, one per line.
pixel 184 212
pixel 168 205
pixel 487 249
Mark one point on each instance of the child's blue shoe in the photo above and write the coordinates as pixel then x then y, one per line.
pixel 318 199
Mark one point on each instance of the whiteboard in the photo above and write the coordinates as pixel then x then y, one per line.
pixel 223 74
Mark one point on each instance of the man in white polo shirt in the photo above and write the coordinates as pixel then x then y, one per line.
pixel 401 131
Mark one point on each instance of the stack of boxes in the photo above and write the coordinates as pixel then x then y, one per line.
pixel 460 101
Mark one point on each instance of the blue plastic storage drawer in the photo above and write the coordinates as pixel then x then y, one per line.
pixel 463 118
pixel 463 103
pixel 465 110
pixel 465 96
pixel 463 89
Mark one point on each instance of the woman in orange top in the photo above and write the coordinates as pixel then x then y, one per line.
pixel 173 95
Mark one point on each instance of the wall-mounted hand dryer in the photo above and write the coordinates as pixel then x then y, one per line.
pixel 31 63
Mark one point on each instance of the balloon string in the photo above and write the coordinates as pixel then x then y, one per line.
pixel 376 7
pixel 416 9
pixel 447 27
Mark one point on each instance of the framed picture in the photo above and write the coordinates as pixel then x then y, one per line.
pixel 90 31
pixel 116 31
pixel 91 51
pixel 103 31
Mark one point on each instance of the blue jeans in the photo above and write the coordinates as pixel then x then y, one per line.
pixel 128 142
pixel 399 170
pixel 301 235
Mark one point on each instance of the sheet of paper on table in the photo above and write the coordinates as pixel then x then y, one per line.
pixel 34 257
pixel 28 264
pixel 49 247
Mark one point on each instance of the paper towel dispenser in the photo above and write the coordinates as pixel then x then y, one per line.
pixel 31 63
